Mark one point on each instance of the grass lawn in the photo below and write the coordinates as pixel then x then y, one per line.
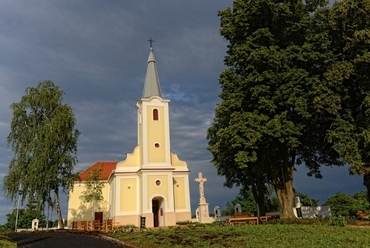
pixel 267 235
pixel 5 243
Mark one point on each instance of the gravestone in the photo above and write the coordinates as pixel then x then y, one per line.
pixel 217 213
pixel 203 205
pixel 35 225
pixel 298 205
pixel 297 201
pixel 238 208
pixel 197 214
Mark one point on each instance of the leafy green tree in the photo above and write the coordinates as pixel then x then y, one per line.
pixel 247 205
pixel 307 200
pixel 269 118
pixel 272 204
pixel 247 202
pixel 347 205
pixel 94 187
pixel 44 142
pixel 349 75
pixel 25 218
pixel 361 198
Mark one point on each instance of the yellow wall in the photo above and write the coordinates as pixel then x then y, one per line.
pixel 132 159
pixel 156 134
pixel 175 161
pixel 79 210
pixel 179 193
pixel 155 190
pixel 140 133
pixel 128 194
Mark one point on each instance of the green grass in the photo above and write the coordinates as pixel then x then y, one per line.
pixel 6 243
pixel 249 236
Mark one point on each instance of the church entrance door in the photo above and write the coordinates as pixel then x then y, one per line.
pixel 157 210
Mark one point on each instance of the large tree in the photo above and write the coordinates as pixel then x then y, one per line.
pixel 349 133
pixel 273 92
pixel 44 140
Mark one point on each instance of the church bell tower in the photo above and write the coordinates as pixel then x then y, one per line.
pixel 153 120
pixel 152 182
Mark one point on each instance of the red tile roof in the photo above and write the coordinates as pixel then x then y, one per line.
pixel 108 167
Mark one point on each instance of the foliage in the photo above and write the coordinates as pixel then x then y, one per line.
pixel 6 243
pixel 249 236
pixel 349 76
pixel 299 221
pixel 272 204
pixel 352 220
pixel 307 200
pixel 361 198
pixel 4 229
pixel 338 221
pixel 25 217
pixel 187 222
pixel 44 142
pixel 342 204
pixel 125 229
pixel 94 186
pixel 295 91
pixel 246 200
pixel 264 123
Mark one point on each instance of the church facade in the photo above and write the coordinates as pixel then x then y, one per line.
pixel 152 182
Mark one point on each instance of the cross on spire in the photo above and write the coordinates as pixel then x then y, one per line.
pixel 151 42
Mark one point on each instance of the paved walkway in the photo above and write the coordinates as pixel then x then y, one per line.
pixel 61 239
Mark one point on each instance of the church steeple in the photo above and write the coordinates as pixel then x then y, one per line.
pixel 152 86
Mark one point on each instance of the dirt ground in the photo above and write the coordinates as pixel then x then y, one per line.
pixel 62 239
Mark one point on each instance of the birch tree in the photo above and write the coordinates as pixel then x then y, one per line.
pixel 44 141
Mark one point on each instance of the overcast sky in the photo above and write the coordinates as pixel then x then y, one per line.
pixel 96 51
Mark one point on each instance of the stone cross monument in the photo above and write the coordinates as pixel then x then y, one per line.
pixel 203 205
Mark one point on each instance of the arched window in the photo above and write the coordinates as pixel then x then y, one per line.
pixel 155 114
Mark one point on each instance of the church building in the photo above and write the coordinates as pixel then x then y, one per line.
pixel 152 182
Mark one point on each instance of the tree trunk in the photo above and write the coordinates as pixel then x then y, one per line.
pixel 281 175
pixel 59 212
pixel 367 182
pixel 258 191
pixel 285 196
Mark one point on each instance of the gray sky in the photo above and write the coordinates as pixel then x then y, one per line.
pixel 96 51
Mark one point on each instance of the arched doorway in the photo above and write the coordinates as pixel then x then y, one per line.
pixel 158 211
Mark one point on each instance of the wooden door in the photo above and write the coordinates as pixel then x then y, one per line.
pixel 99 217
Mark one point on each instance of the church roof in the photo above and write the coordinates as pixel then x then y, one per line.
pixel 108 167
pixel 152 86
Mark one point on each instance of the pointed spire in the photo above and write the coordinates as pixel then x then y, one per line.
pixel 152 86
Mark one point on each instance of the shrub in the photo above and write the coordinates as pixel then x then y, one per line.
pixel 300 221
pixel 338 221
pixel 181 223
pixel 124 229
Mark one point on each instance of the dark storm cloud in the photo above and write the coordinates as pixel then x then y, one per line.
pixel 96 51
